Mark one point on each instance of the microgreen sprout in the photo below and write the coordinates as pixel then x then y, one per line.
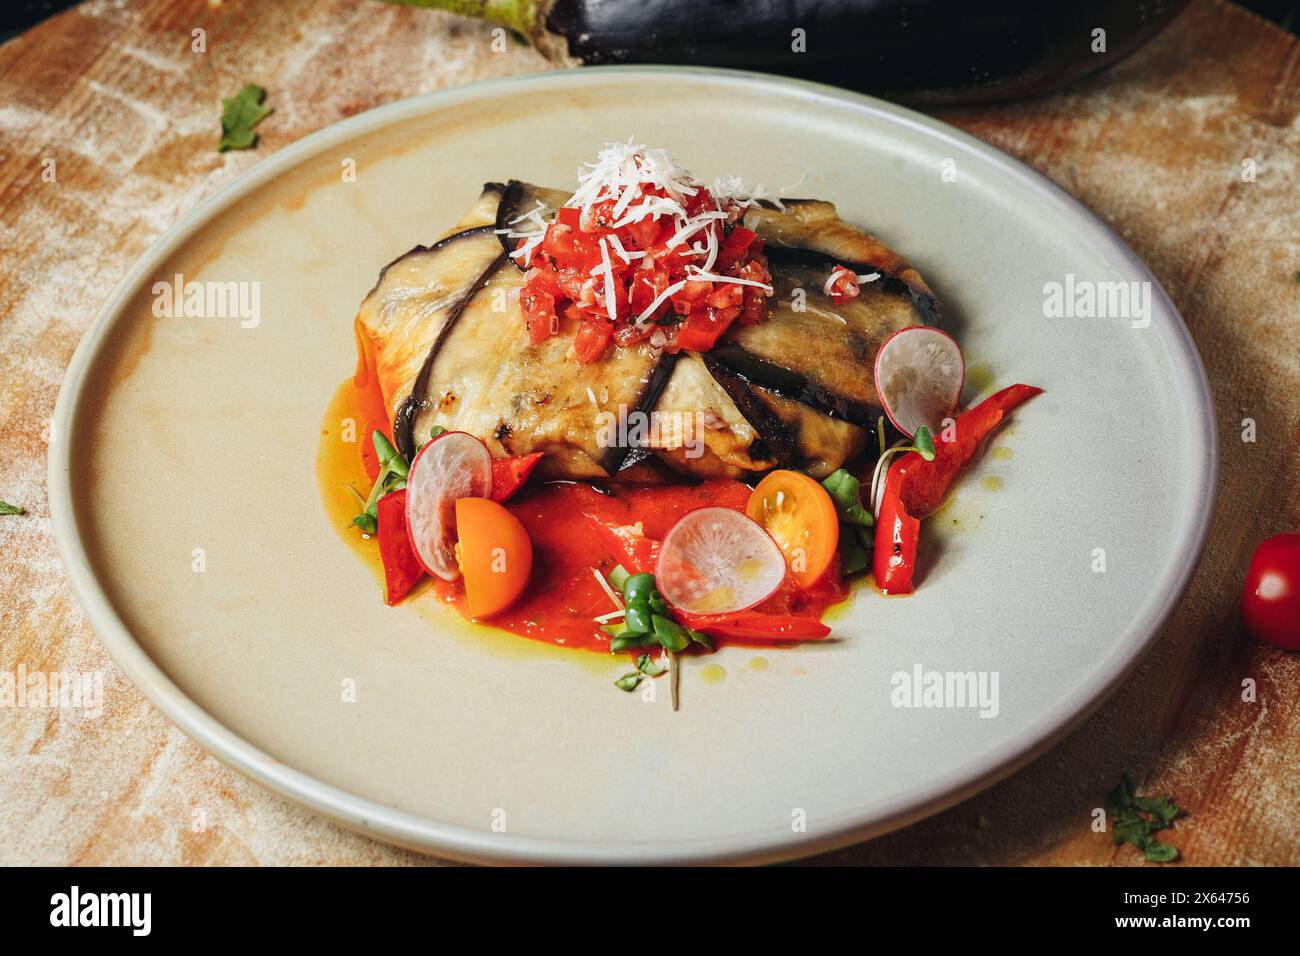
pixel 922 444
pixel 392 477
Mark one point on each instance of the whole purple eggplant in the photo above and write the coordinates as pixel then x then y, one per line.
pixel 920 51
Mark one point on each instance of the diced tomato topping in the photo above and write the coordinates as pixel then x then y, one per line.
pixel 593 338
pixel 703 327
pixel 539 314
pixel 733 250
pixel 843 283
pixel 579 281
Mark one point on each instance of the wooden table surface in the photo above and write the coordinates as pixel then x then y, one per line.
pixel 114 96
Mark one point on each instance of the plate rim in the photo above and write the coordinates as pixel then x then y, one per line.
pixel 429 835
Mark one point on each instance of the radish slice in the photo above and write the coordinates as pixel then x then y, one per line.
pixel 715 561
pixel 453 465
pixel 919 375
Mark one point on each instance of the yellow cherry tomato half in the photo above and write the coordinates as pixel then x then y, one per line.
pixel 495 554
pixel 799 514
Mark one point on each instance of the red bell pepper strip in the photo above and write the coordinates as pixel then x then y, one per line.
pixel 915 488
pixel 509 474
pixel 402 570
pixel 897 534
pixel 924 490
pixel 756 626
pixel 628 546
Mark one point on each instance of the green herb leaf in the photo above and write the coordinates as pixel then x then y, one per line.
pixel 389 457
pixel 638 588
pixel 1162 809
pixel 853 556
pixel 924 443
pixel 700 638
pixel 637 620
pixel 1121 797
pixel 628 682
pixel 1129 828
pixel 846 492
pixel 1158 852
pixel 239 115
pixel 1136 819
pixel 7 509
pixel 628 643
pixel 670 635
pixel 392 477
pixel 618 578
pixel 649 666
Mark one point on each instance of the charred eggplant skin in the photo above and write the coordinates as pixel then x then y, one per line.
pixel 918 51
pixel 618 457
pixel 790 384
pixel 928 307
pixel 776 440
pixel 404 419
pixel 517 198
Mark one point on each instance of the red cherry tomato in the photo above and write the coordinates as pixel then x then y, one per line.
pixel 1270 598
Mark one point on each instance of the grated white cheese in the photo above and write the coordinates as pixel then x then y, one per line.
pixel 632 177
pixel 699 275
pixel 617 245
pixel 532 236
pixel 842 271
pixel 659 300
pixel 692 226
pixel 608 271
pixel 621 171
pixel 534 214
pixel 734 188
pixel 613 596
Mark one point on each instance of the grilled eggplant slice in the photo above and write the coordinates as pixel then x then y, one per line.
pixel 811 232
pixel 816 349
pixel 793 391
pixel 415 300
pixel 517 200
pixel 486 379
pixel 791 434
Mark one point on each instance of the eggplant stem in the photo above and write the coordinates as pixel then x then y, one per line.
pixel 522 16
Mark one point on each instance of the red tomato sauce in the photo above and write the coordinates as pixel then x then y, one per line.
pixel 563 596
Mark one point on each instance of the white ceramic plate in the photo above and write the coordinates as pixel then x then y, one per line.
pixel 186 443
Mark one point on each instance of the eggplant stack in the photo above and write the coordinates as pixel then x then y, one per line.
pixel 795 391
